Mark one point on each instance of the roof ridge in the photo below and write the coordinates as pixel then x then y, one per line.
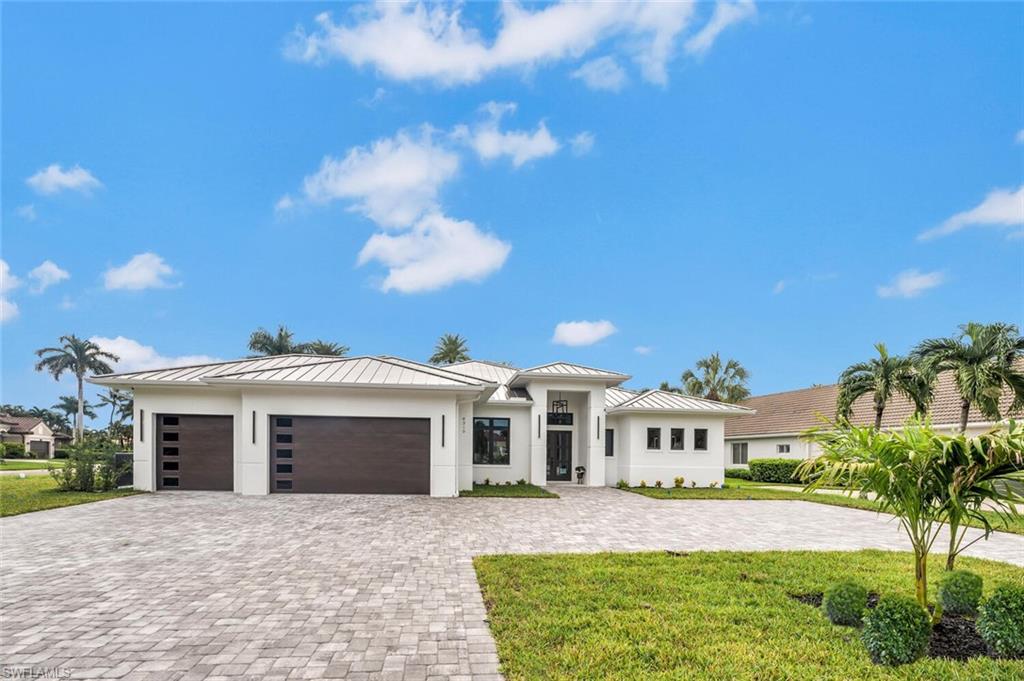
pixel 489 362
pixel 327 359
pixel 431 368
pixel 606 372
pixel 207 364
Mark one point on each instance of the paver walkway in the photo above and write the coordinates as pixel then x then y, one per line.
pixel 194 585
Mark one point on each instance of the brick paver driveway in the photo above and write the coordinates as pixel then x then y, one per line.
pixel 213 585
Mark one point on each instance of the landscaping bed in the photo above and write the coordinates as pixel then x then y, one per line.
pixel 515 490
pixel 39 492
pixel 706 615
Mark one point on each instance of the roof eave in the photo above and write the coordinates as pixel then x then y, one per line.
pixel 661 410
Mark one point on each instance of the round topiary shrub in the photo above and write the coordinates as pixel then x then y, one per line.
pixel 897 631
pixel 1001 621
pixel 844 603
pixel 960 592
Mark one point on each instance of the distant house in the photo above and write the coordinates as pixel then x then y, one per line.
pixel 774 430
pixel 29 431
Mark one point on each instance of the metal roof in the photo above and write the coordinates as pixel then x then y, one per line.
pixel 492 372
pixel 196 373
pixel 569 370
pixel 614 396
pixel 662 400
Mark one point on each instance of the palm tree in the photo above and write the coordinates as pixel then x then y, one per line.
pixel 882 377
pixel 450 348
pixel 985 361
pixel 322 347
pixel 115 399
pixel 262 342
pixel 665 387
pixel 68 405
pixel 717 381
pixel 79 357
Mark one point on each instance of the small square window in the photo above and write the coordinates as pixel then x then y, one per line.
pixel 284 468
pixel 700 439
pixel 170 465
pixel 170 451
pixel 284 422
pixel 677 439
pixel 284 453
pixel 654 438
pixel 782 449
pixel 170 420
pixel 284 437
pixel 170 437
pixel 170 482
pixel 284 484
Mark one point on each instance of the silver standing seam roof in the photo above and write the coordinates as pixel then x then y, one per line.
pixel 663 400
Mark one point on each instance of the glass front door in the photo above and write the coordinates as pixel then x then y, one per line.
pixel 559 455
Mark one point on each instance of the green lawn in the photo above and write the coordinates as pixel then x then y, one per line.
pixel 722 615
pixel 508 491
pixel 39 492
pixel 748 491
pixel 18 465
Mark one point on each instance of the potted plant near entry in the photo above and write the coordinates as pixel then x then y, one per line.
pixel 580 472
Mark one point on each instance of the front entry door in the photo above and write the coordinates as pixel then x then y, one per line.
pixel 559 454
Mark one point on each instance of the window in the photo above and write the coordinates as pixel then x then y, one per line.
pixel 170 437
pixel 654 438
pixel 284 468
pixel 609 442
pixel 700 439
pixel 284 437
pixel 170 465
pixel 170 482
pixel 284 484
pixel 284 422
pixel 739 452
pixel 170 451
pixel 170 420
pixel 782 449
pixel 490 442
pixel 284 453
pixel 677 439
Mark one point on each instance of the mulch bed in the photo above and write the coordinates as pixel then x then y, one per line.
pixel 953 638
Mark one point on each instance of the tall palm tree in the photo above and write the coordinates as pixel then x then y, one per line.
pixel 985 360
pixel 79 357
pixel 322 347
pixel 262 342
pixel 115 399
pixel 722 382
pixel 882 377
pixel 665 387
pixel 450 348
pixel 68 405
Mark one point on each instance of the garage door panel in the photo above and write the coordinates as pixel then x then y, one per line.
pixel 354 455
pixel 195 452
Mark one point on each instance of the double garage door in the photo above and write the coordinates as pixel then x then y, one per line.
pixel 313 454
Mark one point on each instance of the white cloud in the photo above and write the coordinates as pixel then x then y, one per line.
pixel 46 275
pixel 145 270
pixel 27 212
pixel 284 204
pixel 911 284
pixel 416 41
pixel 1019 138
pixel 582 332
pixel 603 73
pixel 643 349
pixel 436 252
pixel 372 101
pixel 582 143
pixel 1002 207
pixel 8 310
pixel 521 146
pixel 8 280
pixel 779 287
pixel 725 15
pixel 134 356
pixel 394 181
pixel 53 179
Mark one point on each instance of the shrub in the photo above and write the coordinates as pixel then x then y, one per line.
pixel 738 473
pixel 1001 621
pixel 60 453
pixel 88 471
pixel 844 603
pixel 487 481
pixel 643 483
pixel 622 484
pixel 508 482
pixel 678 481
pixel 693 483
pixel 12 450
pixel 897 631
pixel 960 592
pixel 774 470
pixel 521 481
pixel 657 483
pixel 713 484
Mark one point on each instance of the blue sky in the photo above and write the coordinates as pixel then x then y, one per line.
pixel 784 183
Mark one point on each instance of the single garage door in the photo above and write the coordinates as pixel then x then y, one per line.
pixel 39 448
pixel 350 455
pixel 194 452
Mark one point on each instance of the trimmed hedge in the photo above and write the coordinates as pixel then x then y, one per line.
pixel 13 450
pixel 960 592
pixel 897 631
pixel 1001 621
pixel 738 473
pixel 844 603
pixel 774 470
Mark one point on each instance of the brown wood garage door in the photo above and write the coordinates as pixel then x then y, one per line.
pixel 350 455
pixel 194 452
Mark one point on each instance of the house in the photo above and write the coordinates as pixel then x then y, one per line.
pixel 309 423
pixel 29 431
pixel 774 430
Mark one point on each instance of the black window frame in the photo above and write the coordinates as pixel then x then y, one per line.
pixel 744 452
pixel 779 449
pixel 697 433
pixel 609 442
pixel 488 427
pixel 672 439
pixel 656 431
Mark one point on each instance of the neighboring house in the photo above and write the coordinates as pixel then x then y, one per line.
pixel 307 423
pixel 29 431
pixel 774 431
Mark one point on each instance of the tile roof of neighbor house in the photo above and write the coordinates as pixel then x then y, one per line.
pixel 797 410
pixel 663 400
pixel 20 424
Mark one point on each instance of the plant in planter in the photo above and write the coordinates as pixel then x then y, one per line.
pixel 960 592
pixel 678 481
pixel 844 603
pixel 581 471
pixel 896 632
pixel 1001 621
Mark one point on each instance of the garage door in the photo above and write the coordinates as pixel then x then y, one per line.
pixel 194 452
pixel 39 448
pixel 351 455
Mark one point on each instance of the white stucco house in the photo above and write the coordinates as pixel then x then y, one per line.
pixel 308 423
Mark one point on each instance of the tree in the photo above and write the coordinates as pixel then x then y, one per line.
pixel 115 399
pixel 882 377
pixel 450 348
pixel 665 387
pixel 717 381
pixel 262 342
pixel 68 405
pixel 985 361
pixel 79 357
pixel 322 347
pixel 52 419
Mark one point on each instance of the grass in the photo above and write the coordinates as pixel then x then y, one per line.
pixel 721 615
pixel 17 465
pixel 39 492
pixel 527 490
pixel 748 491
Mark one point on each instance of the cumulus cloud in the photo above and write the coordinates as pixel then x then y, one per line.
pixel 284 204
pixel 911 284
pixel 603 73
pixel 521 146
pixel 53 179
pixel 134 356
pixel 8 310
pixel 417 41
pixel 145 270
pixel 27 212
pixel 1001 208
pixel 643 349
pixel 46 275
pixel 437 252
pixel 582 143
pixel 582 332
pixel 725 15
pixel 8 282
